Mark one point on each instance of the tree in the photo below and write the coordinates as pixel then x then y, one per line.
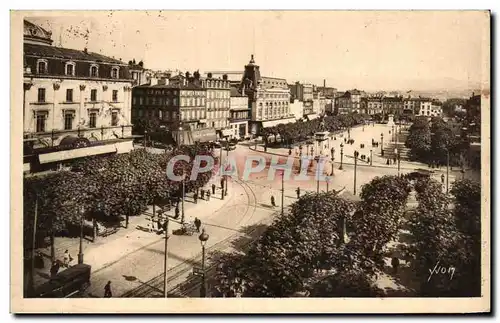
pixel 376 222
pixel 438 244
pixel 419 140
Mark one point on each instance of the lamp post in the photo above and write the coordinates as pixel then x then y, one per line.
pixel 382 144
pixel 333 161
pixel 80 252
pixel 282 192
pixel 393 137
pixel 447 168
pixel 371 157
pixel 145 138
pixel 341 155
pixel 397 154
pixel 165 259
pixel 203 240
pixel 182 198
pixel 356 154
pixel 327 182
pixel 127 203
pixel 227 160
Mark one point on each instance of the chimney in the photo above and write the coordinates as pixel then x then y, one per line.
pixel 85 50
pixel 224 77
pixel 209 75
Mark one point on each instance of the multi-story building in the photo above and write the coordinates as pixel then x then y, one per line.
pixel 269 98
pixel 239 114
pixel 296 109
pixel 411 106
pixel 76 103
pixel 436 108
pixel 372 105
pixel 392 105
pixel 349 102
pixel 218 92
pixel 139 74
pixel 301 92
pixel 424 106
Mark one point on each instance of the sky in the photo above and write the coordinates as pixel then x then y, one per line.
pixel 370 50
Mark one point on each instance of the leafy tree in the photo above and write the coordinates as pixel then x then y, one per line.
pixel 419 140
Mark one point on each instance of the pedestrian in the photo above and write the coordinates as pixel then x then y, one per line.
pixel 54 269
pixel 67 259
pixel 345 140
pixel 368 160
pixel 202 194
pixel 195 197
pixel 298 192
pixel 107 290
pixel 213 188
pixel 159 226
pixel 208 195
pixel 222 183
pixel 442 178
pixel 395 159
pixel 272 201
pixel 395 264
pixel 177 211
pixel 197 224
pixel 387 162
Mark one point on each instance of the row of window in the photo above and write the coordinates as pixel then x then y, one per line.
pixel 70 67
pixel 69 117
pixel 42 95
pixel 218 94
pixel 216 84
pixel 190 93
pixel 272 112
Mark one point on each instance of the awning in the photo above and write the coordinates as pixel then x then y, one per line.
pixel 76 153
pixel 272 123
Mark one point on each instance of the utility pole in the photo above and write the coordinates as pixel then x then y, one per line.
pixel 282 192
pixel 182 201
pixel 165 259
pixel 356 154
pixel 32 273
pixel 447 168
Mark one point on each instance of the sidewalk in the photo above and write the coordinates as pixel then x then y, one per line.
pixel 109 250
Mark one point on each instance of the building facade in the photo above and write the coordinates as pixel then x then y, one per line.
pixel 392 105
pixel 218 91
pixel 72 99
pixel 349 102
pixel 424 106
pixel 239 114
pixel 372 105
pixel 269 98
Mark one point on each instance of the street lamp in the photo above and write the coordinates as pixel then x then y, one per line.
pixel 341 155
pixel 393 137
pixel 165 258
pixel 203 240
pixel 333 160
pixel 127 203
pixel 397 154
pixel 382 144
pixel 145 138
pixel 371 157
pixel 80 252
pixel 356 154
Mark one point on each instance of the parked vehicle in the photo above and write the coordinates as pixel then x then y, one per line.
pixel 68 283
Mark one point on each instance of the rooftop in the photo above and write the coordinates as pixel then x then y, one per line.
pixel 67 53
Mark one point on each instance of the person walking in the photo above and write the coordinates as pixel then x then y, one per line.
pixel 195 197
pixel 54 269
pixel 213 188
pixel 395 264
pixel 222 183
pixel 298 192
pixel 273 203
pixel 208 195
pixel 107 290
pixel 177 211
pixel 197 224
pixel 67 259
pixel 202 194
pixel 442 178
